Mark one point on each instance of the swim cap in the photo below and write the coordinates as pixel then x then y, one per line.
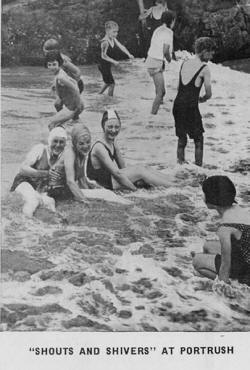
pixel 219 191
pixel 79 130
pixel 57 132
pixel 109 114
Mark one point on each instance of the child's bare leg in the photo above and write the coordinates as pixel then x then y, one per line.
pixel 60 118
pixel 104 88
pixel 205 265
pixel 111 89
pixel 65 115
pixel 199 150
pixel 78 111
pixel 182 142
pixel 159 91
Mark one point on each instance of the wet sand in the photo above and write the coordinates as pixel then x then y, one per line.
pixel 116 267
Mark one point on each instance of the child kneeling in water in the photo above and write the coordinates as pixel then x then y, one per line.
pixel 230 256
pixel 67 92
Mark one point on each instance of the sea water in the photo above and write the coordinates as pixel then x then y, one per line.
pixel 107 266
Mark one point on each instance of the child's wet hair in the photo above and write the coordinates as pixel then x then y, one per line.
pixel 219 191
pixel 111 25
pixel 168 17
pixel 53 56
pixel 106 116
pixel 203 44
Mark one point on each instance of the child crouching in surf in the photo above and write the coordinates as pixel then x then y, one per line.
pixel 230 256
pixel 67 92
pixel 52 45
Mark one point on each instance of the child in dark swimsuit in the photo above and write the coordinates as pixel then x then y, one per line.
pixel 109 46
pixel 230 256
pixel 193 74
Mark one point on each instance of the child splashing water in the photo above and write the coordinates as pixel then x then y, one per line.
pixel 67 92
pixel 230 256
pixel 109 46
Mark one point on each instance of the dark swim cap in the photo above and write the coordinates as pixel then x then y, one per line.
pixel 219 191
pixel 109 114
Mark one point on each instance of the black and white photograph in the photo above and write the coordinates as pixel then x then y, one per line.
pixel 125 171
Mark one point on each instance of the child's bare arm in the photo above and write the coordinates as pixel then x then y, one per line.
pixel 104 49
pixel 123 49
pixel 225 241
pixel 72 68
pixel 207 84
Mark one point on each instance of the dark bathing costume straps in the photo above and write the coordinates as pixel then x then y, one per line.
pixel 101 175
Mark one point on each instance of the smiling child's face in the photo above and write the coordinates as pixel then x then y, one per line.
pixel 53 66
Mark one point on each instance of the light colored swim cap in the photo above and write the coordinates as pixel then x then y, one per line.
pixel 77 131
pixel 109 114
pixel 57 132
pixel 112 114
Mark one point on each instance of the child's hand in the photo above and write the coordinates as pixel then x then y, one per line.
pixel 116 63
pixel 131 56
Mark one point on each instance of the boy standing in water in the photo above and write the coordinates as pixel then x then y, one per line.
pixel 52 45
pixel 194 72
pixel 109 46
pixel 67 92
pixel 160 48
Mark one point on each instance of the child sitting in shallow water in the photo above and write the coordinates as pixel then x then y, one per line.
pixel 230 256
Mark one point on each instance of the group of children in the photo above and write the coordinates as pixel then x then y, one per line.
pixel 230 257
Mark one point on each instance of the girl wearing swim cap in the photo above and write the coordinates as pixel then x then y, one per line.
pixel 229 257
pixel 74 161
pixel 33 178
pixel 107 167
